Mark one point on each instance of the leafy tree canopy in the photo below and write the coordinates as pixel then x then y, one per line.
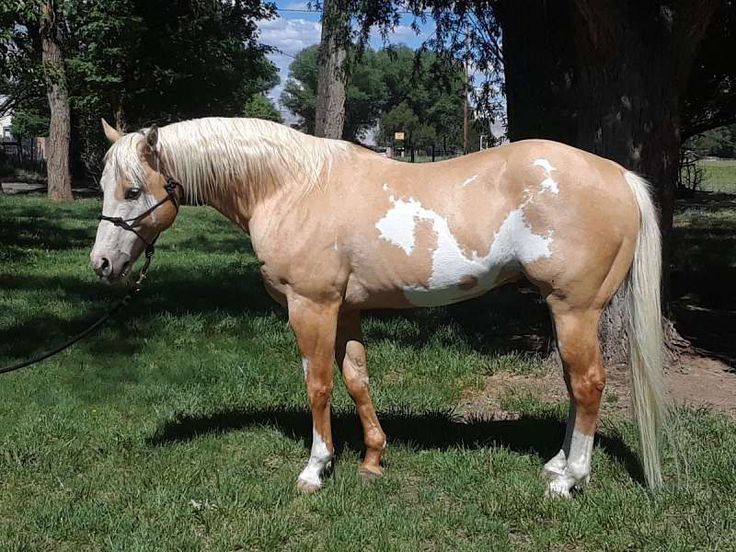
pixel 139 61
pixel 260 107
pixel 392 88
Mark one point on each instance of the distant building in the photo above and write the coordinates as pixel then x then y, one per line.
pixel 24 150
pixel 6 124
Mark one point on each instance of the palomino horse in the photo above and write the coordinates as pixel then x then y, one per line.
pixel 339 229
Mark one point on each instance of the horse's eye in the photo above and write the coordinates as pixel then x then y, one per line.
pixel 133 193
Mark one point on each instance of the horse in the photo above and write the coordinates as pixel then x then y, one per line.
pixel 339 229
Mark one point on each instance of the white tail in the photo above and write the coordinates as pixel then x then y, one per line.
pixel 645 332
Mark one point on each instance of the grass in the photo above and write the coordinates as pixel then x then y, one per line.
pixel 704 267
pixel 719 176
pixel 182 425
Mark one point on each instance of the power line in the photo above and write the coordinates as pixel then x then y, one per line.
pixel 294 10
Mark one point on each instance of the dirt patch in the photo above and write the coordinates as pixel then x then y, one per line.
pixel 697 381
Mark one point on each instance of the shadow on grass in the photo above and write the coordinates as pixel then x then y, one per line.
pixel 703 274
pixel 166 294
pixel 490 324
pixel 538 435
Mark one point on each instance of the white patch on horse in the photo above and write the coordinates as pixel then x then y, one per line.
pixel 577 469
pixel 305 367
pixel 397 225
pixel 548 184
pixel 514 242
pixel 319 458
pixel 545 164
pixel 469 180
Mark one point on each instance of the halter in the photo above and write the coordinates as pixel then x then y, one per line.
pixel 132 224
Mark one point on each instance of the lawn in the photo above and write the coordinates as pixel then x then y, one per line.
pixel 182 425
pixel 719 175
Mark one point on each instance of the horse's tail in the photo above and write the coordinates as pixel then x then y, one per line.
pixel 645 332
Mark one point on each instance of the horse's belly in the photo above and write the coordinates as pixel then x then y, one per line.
pixel 455 283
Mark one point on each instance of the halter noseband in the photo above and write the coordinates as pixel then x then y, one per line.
pixel 132 224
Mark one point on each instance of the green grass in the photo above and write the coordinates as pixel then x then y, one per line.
pixel 719 176
pixel 182 425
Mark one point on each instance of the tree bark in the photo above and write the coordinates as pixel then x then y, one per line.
pixel 59 177
pixel 332 74
pixel 625 65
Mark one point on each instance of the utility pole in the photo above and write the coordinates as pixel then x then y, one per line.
pixel 465 94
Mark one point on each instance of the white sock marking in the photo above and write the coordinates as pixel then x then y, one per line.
pixel 319 458
pixel 577 469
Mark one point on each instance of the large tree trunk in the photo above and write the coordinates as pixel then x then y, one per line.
pixel 59 177
pixel 617 70
pixel 332 73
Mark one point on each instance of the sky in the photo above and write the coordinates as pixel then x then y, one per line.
pixel 296 27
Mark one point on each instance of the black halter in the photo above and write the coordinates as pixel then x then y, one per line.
pixel 133 223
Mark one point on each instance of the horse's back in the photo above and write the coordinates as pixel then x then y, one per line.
pixel 448 231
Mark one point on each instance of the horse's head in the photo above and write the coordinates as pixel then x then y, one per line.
pixel 139 202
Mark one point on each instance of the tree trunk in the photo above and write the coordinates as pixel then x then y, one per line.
pixel 607 76
pixel 332 73
pixel 59 177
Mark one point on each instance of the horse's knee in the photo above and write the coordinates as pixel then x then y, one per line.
pixel 587 387
pixel 319 392
pixel 355 372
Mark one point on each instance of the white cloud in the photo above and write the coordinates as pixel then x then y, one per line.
pixel 290 35
pixel 298 6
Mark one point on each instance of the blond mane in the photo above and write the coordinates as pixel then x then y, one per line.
pixel 212 155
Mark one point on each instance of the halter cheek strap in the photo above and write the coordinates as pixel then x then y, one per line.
pixel 132 224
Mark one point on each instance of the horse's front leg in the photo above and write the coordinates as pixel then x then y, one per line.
pixel 314 324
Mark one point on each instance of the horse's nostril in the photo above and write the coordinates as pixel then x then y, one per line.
pixel 103 267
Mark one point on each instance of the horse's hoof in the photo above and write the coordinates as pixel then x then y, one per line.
pixel 307 487
pixel 557 488
pixel 370 473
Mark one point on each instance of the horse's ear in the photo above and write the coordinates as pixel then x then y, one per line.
pixel 152 138
pixel 112 134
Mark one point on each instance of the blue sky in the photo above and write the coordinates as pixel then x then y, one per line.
pixel 296 28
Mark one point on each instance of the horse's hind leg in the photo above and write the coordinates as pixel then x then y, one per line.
pixel 577 339
pixel 350 356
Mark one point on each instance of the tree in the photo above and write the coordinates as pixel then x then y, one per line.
pixel 260 107
pixel 300 90
pixel 332 74
pixel 137 61
pixel 57 146
pixel 428 88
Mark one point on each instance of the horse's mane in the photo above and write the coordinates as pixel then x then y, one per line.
pixel 211 155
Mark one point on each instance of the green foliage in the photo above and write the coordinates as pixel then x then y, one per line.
pixel 422 96
pixel 29 123
pixel 300 90
pixel 136 61
pixel 719 142
pixel 260 107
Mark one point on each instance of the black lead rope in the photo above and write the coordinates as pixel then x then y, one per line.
pixel 130 225
pixel 135 288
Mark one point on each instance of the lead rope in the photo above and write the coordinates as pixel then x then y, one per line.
pixel 132 291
